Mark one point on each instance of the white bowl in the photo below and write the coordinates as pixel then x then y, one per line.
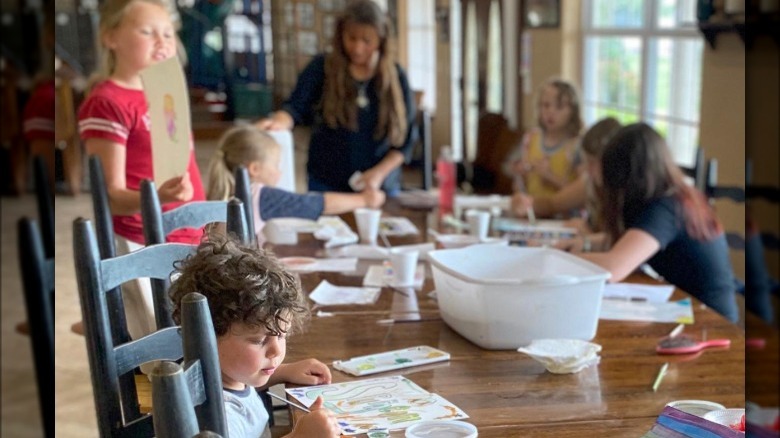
pixel 726 417
pixel 441 429
pixel 696 407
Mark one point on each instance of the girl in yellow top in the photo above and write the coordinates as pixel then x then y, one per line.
pixel 546 160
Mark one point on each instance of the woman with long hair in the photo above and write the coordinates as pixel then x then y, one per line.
pixel 358 101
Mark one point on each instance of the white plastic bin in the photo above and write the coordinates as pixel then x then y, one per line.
pixel 505 297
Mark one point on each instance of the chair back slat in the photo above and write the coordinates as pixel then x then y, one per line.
pixel 200 344
pixel 38 283
pixel 244 193
pixel 194 215
pixel 165 344
pixel 144 262
pixel 176 417
pixel 236 221
pixel 45 204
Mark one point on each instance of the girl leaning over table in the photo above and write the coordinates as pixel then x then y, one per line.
pixel 651 215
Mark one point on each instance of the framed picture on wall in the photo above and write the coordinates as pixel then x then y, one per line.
pixel 541 13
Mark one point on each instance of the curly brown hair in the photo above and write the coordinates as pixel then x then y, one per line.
pixel 243 284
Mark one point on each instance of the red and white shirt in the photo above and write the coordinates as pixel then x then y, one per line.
pixel 121 115
pixel 38 115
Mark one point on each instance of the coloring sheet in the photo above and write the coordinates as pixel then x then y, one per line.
pixel 680 311
pixel 393 402
pixel 169 112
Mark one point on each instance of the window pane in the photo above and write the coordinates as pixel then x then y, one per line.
pixel 676 13
pixel 594 113
pixel 682 139
pixel 613 72
pixel 674 80
pixel 617 13
pixel 495 95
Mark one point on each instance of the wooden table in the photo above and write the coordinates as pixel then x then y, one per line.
pixel 506 393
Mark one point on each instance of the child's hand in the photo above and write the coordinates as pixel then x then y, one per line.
pixel 520 167
pixel 176 189
pixel 373 198
pixel 278 121
pixel 304 372
pixel 320 423
pixel 521 203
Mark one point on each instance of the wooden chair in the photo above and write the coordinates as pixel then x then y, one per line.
pixel 177 404
pixel 198 214
pixel 109 360
pixel 38 282
pixel 495 141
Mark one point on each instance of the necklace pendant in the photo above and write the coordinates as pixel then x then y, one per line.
pixel 362 100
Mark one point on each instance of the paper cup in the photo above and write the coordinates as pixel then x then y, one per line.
pixel 280 233
pixel 404 266
pixel 479 223
pixel 367 220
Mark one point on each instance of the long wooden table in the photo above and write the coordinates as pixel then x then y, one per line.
pixel 506 393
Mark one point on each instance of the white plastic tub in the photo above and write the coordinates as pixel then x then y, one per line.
pixel 504 297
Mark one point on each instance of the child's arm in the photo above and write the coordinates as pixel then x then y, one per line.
pixel 568 198
pixel 124 201
pixel 303 372
pixel 320 422
pixel 631 250
pixel 337 203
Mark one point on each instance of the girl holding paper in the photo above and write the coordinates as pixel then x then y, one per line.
pixel 651 215
pixel 114 125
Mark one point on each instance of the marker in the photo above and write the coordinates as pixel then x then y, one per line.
pixel 658 378
pixel 291 403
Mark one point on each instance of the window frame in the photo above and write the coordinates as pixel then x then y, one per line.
pixel 649 32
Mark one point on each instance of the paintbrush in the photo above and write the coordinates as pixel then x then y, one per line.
pixel 291 403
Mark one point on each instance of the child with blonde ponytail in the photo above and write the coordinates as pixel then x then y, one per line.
pixel 260 154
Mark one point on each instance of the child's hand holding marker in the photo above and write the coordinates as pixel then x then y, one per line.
pixel 318 423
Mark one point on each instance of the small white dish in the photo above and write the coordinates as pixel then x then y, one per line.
pixel 696 407
pixel 442 429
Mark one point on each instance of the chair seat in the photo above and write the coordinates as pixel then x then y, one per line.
pixel 144 390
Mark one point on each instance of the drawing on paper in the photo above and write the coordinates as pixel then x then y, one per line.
pixel 393 402
pixel 169 112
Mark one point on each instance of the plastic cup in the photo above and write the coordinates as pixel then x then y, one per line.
pixel 404 266
pixel 479 223
pixel 367 220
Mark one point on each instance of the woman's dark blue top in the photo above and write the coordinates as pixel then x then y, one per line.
pixel 701 268
pixel 335 154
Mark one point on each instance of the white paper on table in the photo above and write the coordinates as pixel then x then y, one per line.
pixel 377 397
pixel 680 311
pixel 639 292
pixel 373 252
pixel 325 265
pixel 167 96
pixel 335 232
pixel 382 275
pixel 327 294
pixel 397 226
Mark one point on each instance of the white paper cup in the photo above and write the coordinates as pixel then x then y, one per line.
pixel 279 233
pixel 479 223
pixel 404 266
pixel 367 220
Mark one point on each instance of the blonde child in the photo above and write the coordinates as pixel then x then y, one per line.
pixel 114 124
pixel 255 304
pixel 260 154
pixel 545 162
pixel 582 193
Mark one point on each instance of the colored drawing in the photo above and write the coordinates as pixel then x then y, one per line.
pixel 169 112
pixel 391 360
pixel 393 402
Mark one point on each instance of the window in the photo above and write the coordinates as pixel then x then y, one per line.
pixel 642 61
pixel 421 28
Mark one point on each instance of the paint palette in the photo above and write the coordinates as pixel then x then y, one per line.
pixel 391 360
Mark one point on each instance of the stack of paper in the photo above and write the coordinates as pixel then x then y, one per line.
pixel 327 294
